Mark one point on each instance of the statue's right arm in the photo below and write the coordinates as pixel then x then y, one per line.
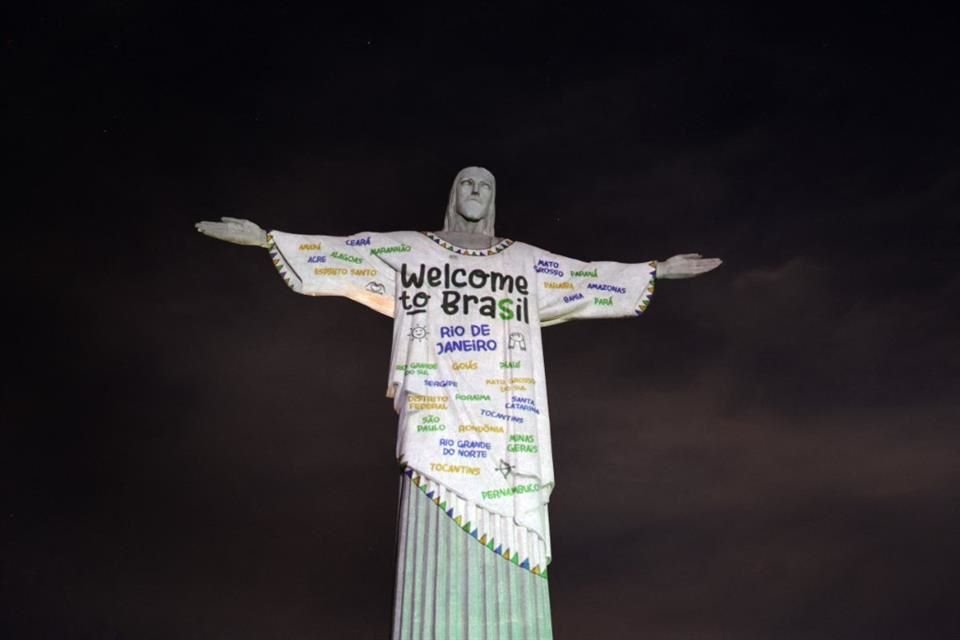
pixel 235 230
pixel 302 260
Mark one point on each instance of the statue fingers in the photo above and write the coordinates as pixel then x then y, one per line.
pixel 220 231
pixel 707 264
pixel 243 222
pixel 207 227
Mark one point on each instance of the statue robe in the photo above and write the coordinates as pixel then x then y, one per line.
pixel 466 370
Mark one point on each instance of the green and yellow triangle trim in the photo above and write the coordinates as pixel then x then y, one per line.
pixel 424 484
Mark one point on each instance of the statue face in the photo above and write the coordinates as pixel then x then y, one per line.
pixel 474 193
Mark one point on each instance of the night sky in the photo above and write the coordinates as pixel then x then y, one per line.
pixel 190 450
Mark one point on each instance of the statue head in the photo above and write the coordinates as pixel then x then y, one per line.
pixel 471 207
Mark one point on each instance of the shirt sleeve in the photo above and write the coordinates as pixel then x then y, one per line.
pixel 347 266
pixel 570 289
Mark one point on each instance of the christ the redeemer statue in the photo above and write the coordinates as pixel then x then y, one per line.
pixel 466 378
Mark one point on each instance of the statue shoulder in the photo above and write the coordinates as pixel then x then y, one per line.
pixel 403 236
pixel 414 239
pixel 524 248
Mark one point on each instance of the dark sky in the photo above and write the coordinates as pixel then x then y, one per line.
pixel 189 450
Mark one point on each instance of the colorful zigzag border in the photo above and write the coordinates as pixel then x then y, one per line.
pixel 422 483
pixel 503 244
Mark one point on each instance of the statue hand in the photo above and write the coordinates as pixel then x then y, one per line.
pixel 235 230
pixel 686 265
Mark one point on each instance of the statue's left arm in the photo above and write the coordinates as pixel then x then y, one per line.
pixel 686 265
pixel 570 289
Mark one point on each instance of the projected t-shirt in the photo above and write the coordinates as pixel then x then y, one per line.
pixel 466 369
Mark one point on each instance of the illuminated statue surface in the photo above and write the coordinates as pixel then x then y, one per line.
pixel 467 380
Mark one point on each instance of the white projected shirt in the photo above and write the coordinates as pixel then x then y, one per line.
pixel 466 370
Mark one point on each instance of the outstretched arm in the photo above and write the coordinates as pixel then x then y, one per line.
pixel 686 265
pixel 235 230
pixel 320 265
pixel 571 289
